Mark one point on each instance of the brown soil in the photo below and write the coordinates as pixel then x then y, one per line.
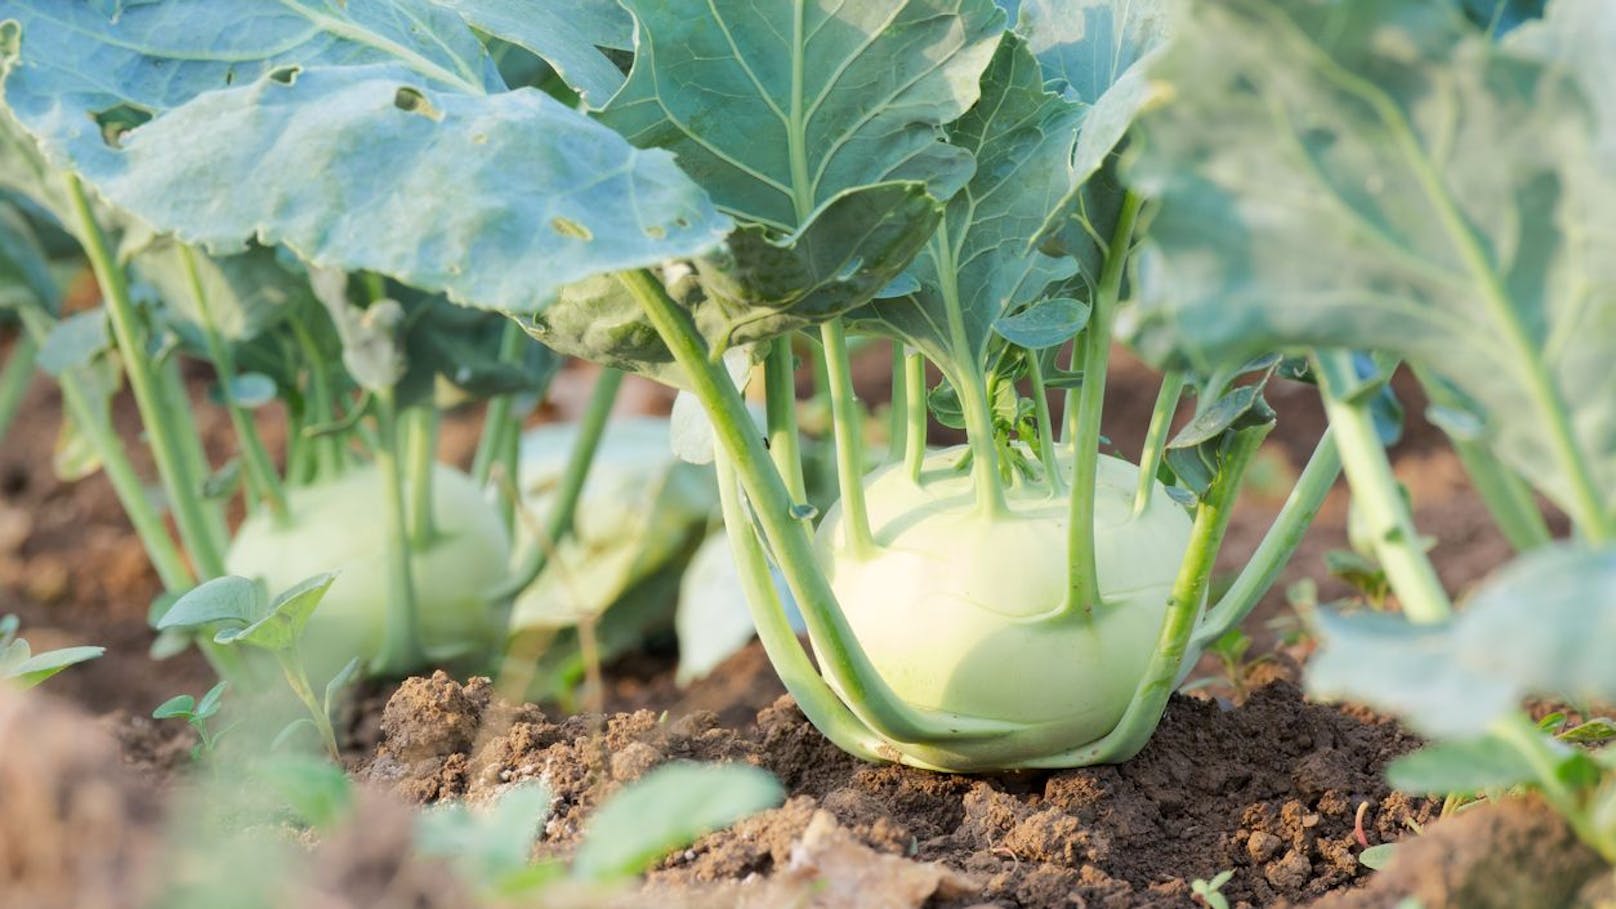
pixel 1270 789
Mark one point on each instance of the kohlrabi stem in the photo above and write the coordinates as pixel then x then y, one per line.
pixel 329 458
pixel 97 428
pixel 864 691
pixel 1046 426
pixel 1083 575
pixel 1376 493
pixel 14 381
pixel 897 422
pixel 421 424
pixel 916 413
pixel 497 418
pixel 298 679
pixel 591 427
pixel 1277 546
pixel 1161 423
pixel 847 420
pixel 817 701
pixel 181 484
pixel 401 638
pixel 1507 497
pixel 969 384
pixel 261 475
pixel 780 415
pixel 1189 589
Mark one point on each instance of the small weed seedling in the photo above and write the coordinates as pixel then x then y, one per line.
pixel 196 713
pixel 20 666
pixel 241 613
pixel 1210 893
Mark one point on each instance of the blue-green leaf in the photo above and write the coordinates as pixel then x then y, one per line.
pixel 1392 180
pixel 567 34
pixel 1543 626
pixel 1463 767
pixel 1045 323
pixel 979 262
pixel 777 107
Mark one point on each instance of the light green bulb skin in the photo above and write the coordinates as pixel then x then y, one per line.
pixel 960 613
pixel 339 526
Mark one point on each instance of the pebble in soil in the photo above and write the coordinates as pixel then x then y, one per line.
pixel 1269 789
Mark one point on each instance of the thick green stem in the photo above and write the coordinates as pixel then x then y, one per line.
pixel 780 415
pixel 497 420
pixel 1507 497
pixel 816 699
pixel 1277 545
pixel 261 476
pixel 1184 602
pixel 970 385
pixel 19 372
pixel 591 427
pixel 915 411
pixel 847 420
pixel 182 486
pixel 329 458
pixel 1161 423
pixel 897 422
pixel 869 697
pixel 97 428
pixel 1046 426
pixel 1083 576
pixel 401 650
pixel 422 457
pixel 1376 492
pixel 298 679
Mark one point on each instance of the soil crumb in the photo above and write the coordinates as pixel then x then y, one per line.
pixel 1270 789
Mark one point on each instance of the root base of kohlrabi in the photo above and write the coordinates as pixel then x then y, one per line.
pixel 961 613
pixel 339 526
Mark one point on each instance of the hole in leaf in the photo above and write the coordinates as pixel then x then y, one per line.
pixel 116 122
pixel 413 101
pixel 570 228
pixel 655 232
pixel 681 222
pixel 285 75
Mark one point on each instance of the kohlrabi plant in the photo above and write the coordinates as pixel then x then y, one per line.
pixel 907 170
pixel 1398 178
pixel 281 291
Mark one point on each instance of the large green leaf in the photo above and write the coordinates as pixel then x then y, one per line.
pixel 1388 178
pixel 1094 52
pixel 339 142
pixel 979 265
pixel 1545 626
pixel 778 106
pixel 567 34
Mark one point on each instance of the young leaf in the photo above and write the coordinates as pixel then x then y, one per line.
pixel 180 706
pixel 316 791
pixel 1462 193
pixel 230 601
pixel 1045 323
pixel 283 622
pixel 1377 857
pixel 1196 453
pixel 1542 626
pixel 667 808
pixel 490 844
